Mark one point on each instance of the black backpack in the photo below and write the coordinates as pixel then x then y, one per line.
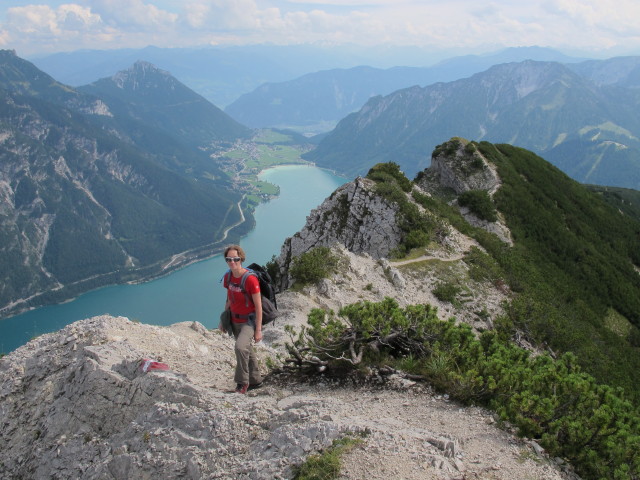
pixel 267 291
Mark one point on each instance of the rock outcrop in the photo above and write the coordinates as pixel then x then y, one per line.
pixel 459 166
pixel 76 404
pixel 363 221
pixel 353 216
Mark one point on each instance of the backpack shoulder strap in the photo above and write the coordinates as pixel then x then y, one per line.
pixel 243 281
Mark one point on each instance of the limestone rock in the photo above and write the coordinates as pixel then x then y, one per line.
pixel 354 216
pixel 76 404
pixel 460 168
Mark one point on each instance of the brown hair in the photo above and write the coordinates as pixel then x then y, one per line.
pixel 237 248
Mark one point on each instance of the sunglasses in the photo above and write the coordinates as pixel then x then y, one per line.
pixel 232 259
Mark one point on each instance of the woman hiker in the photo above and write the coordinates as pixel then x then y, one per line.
pixel 246 318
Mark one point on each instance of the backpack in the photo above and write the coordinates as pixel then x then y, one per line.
pixel 267 291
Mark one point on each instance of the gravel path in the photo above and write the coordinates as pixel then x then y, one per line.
pixel 412 433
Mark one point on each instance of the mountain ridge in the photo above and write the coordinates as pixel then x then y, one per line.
pixel 158 99
pixel 322 98
pixel 223 74
pixel 564 110
pixel 536 209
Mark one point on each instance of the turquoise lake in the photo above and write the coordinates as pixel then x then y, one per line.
pixel 193 293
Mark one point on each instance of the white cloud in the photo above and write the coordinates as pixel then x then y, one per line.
pixel 218 16
pixel 74 17
pixel 617 18
pixel 440 23
pixel 41 21
pixel 195 14
pixel 126 14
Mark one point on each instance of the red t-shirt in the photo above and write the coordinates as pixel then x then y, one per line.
pixel 238 301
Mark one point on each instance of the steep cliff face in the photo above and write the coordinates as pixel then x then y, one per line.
pixel 458 166
pixel 364 221
pixel 354 216
pixel 43 186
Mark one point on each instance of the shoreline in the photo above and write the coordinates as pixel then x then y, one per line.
pixel 189 260
pixel 181 296
pixel 160 269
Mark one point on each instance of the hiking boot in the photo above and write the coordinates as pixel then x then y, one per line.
pixel 242 387
pixel 253 386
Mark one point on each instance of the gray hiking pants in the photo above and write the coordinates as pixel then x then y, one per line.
pixel 247 368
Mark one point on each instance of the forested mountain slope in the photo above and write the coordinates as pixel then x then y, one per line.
pixel 84 203
pixel 570 259
pixel 624 199
pixel 574 265
pixel 592 132
pixel 149 95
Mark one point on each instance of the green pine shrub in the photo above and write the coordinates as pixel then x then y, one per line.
pixel 553 401
pixel 313 265
pixel 326 465
pixel 273 270
pixel 382 172
pixel 446 292
pixel 479 203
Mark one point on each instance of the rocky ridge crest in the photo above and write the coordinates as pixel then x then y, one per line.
pixel 76 404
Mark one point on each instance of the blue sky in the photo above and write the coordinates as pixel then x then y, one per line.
pixel 601 27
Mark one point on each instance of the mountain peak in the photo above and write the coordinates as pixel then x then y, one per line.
pixel 8 53
pixel 155 96
pixel 528 76
pixel 143 75
pixel 20 76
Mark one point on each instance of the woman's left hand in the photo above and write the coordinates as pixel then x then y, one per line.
pixel 258 336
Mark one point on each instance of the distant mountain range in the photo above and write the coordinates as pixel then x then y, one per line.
pixel 321 99
pixel 584 118
pixel 94 191
pixel 103 183
pixel 222 74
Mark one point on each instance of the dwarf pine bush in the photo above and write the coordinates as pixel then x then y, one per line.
pixel 313 265
pixel 553 401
